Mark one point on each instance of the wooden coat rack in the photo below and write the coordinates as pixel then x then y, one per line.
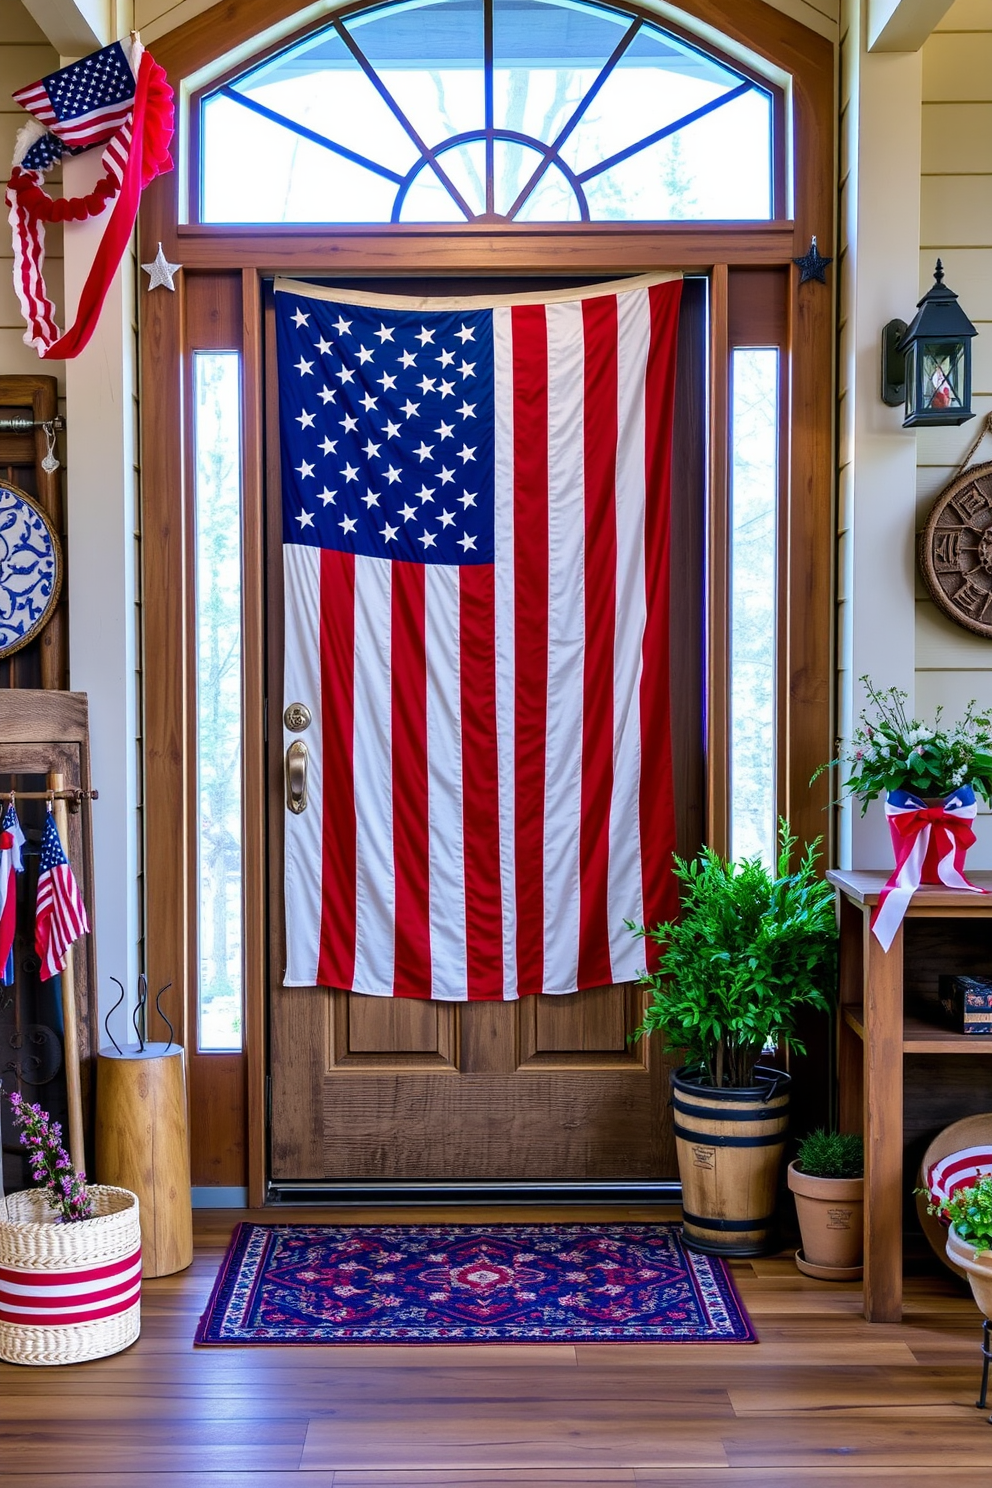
pixel 46 733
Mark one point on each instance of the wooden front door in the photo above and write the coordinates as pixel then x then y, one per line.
pixel 543 1091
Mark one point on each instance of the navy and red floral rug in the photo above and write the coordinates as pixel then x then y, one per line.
pixel 556 1283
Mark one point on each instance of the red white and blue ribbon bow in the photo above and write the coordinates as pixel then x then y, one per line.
pixel 930 843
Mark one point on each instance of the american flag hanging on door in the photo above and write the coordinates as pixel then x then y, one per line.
pixel 476 542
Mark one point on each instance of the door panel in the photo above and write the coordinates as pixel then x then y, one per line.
pixel 370 1031
pixel 547 1088
pixel 590 1034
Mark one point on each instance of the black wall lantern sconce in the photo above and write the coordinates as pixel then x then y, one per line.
pixel 927 365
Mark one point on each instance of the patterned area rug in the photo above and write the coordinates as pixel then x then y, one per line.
pixel 560 1283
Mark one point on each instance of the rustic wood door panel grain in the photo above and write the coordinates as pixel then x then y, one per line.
pixel 540 1126
pixel 547 1088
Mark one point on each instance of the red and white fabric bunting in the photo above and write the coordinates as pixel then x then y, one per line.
pixel 137 131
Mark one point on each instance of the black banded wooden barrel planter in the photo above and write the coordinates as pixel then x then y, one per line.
pixel 730 1145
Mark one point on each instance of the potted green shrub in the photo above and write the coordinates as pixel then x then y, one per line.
pixel 752 947
pixel 968 1212
pixel 827 1182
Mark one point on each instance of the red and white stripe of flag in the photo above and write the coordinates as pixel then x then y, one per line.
pixel 8 897
pixel 490 759
pixel 60 918
pixel 58 1298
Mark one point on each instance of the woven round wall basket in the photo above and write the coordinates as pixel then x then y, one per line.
pixel 69 1292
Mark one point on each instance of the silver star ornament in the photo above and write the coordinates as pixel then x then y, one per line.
pixel 160 271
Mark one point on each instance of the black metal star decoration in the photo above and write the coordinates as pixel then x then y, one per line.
pixel 812 265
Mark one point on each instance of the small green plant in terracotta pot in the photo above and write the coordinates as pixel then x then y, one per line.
pixel 968 1211
pixel 827 1183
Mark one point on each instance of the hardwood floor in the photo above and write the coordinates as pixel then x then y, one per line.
pixel 825 1400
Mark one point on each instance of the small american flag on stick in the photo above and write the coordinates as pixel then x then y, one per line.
pixel 84 103
pixel 60 915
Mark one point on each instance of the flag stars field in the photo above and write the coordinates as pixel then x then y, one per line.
pixel 378 361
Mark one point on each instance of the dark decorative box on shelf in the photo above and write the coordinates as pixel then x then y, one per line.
pixel 967 1003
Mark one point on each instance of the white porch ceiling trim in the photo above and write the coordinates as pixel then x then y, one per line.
pixel 903 25
pixel 75 27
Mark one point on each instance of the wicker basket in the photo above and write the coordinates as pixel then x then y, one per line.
pixel 69 1292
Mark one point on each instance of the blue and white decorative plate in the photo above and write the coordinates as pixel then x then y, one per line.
pixel 30 569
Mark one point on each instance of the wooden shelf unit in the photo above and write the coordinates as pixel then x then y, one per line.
pixel 875 1032
pixel 921 1036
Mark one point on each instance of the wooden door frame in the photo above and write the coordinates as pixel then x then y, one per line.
pixel 805 721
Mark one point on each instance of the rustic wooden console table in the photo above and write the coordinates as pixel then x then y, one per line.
pixel 875 1032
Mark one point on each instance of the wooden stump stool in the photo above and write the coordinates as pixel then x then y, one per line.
pixel 142 1144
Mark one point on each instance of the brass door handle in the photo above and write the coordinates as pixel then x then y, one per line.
pixel 297 762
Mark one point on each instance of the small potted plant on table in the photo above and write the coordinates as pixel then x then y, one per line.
pixel 968 1213
pixel 827 1182
pixel 930 776
pixel 752 947
pixel 70 1258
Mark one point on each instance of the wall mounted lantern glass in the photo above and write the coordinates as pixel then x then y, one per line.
pixel 928 364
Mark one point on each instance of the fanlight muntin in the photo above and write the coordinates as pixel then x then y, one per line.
pixel 493 110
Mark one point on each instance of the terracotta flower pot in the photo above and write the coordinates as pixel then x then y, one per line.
pixel 831 1221
pixel 978 1269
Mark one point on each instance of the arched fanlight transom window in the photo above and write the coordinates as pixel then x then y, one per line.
pixel 488 111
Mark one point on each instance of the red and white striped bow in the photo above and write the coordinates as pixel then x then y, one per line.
pixel 930 844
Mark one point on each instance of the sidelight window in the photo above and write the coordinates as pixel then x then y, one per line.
pixel 753 545
pixel 454 111
pixel 217 440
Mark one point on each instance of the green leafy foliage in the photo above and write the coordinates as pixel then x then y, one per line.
pixel 969 1211
pixel 892 752
pixel 751 948
pixel 826 1154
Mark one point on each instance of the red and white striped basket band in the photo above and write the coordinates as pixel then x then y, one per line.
pixel 957 1170
pixel 50 1299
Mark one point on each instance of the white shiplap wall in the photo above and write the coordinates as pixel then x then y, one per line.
pixel 952 665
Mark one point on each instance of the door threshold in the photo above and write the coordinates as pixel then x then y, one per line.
pixel 393 1192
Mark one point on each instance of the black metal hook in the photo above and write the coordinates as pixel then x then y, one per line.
pixel 139 1010
pixel 165 1020
pixel 106 1021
